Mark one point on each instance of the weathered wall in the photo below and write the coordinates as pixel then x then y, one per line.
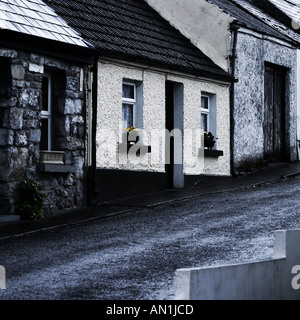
pixel 252 53
pixel 20 131
pixel 274 279
pixel 198 20
pixel 109 121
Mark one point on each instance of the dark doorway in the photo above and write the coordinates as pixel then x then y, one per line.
pixel 274 115
pixel 174 135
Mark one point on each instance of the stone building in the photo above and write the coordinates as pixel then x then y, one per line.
pixel 43 65
pixel 150 77
pixel 249 42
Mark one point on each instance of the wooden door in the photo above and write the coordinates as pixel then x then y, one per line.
pixel 274 114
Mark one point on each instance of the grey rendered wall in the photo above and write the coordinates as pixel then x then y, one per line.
pixel 253 52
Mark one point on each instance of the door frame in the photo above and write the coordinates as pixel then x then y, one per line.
pixel 275 113
pixel 174 135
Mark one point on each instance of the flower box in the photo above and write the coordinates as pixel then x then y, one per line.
pixel 52 157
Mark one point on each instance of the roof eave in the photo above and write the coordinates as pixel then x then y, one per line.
pixel 158 65
pixel 17 40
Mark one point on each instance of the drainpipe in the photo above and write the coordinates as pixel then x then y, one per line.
pixel 234 28
pixel 94 131
pixel 91 132
pixel 90 115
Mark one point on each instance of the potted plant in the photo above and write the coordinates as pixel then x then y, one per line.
pixel 131 135
pixel 209 140
pixel 31 200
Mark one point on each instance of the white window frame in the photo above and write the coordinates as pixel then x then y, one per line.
pixel 129 101
pixel 206 111
pixel 48 114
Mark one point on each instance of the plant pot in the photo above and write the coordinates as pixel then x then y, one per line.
pixel 130 137
pixel 209 144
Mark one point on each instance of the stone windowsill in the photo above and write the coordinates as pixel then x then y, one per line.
pixel 209 153
pixel 56 168
pixel 53 162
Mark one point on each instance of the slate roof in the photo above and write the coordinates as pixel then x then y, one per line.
pixel 35 18
pixel 290 7
pixel 255 18
pixel 131 29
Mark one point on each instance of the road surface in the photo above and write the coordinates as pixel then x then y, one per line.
pixel 134 256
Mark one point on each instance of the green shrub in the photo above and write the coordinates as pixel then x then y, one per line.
pixel 31 200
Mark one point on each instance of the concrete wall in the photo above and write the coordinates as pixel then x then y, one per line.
pixel 198 20
pixel 20 130
pixel 274 279
pixel 109 123
pixel 253 51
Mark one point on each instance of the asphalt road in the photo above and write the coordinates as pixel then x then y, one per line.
pixel 134 256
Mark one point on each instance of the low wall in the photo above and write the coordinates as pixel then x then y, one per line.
pixel 275 279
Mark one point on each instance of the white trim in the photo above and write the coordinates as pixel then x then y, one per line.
pixel 130 101
pixel 265 37
pixel 206 111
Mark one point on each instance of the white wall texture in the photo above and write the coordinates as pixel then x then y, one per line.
pixel 109 120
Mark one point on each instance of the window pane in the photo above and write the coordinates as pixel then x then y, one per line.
pixel 44 135
pixel 45 94
pixel 204 122
pixel 128 91
pixel 128 114
pixel 204 103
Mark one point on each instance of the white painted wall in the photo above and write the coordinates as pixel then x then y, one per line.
pixel 109 120
pixel 274 279
pixel 205 25
pixel 298 103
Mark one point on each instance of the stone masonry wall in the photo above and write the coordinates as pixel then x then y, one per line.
pixel 20 129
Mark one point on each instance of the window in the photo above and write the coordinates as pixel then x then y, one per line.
pixel 208 113
pixel 205 108
pixel 129 104
pixel 46 132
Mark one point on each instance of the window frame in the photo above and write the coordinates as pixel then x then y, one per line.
pixel 47 115
pixel 206 111
pixel 130 101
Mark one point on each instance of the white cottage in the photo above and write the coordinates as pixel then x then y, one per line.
pixel 155 94
pixel 245 38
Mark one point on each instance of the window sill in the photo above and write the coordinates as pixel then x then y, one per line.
pixel 56 168
pixel 53 162
pixel 52 157
pixel 143 150
pixel 213 153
